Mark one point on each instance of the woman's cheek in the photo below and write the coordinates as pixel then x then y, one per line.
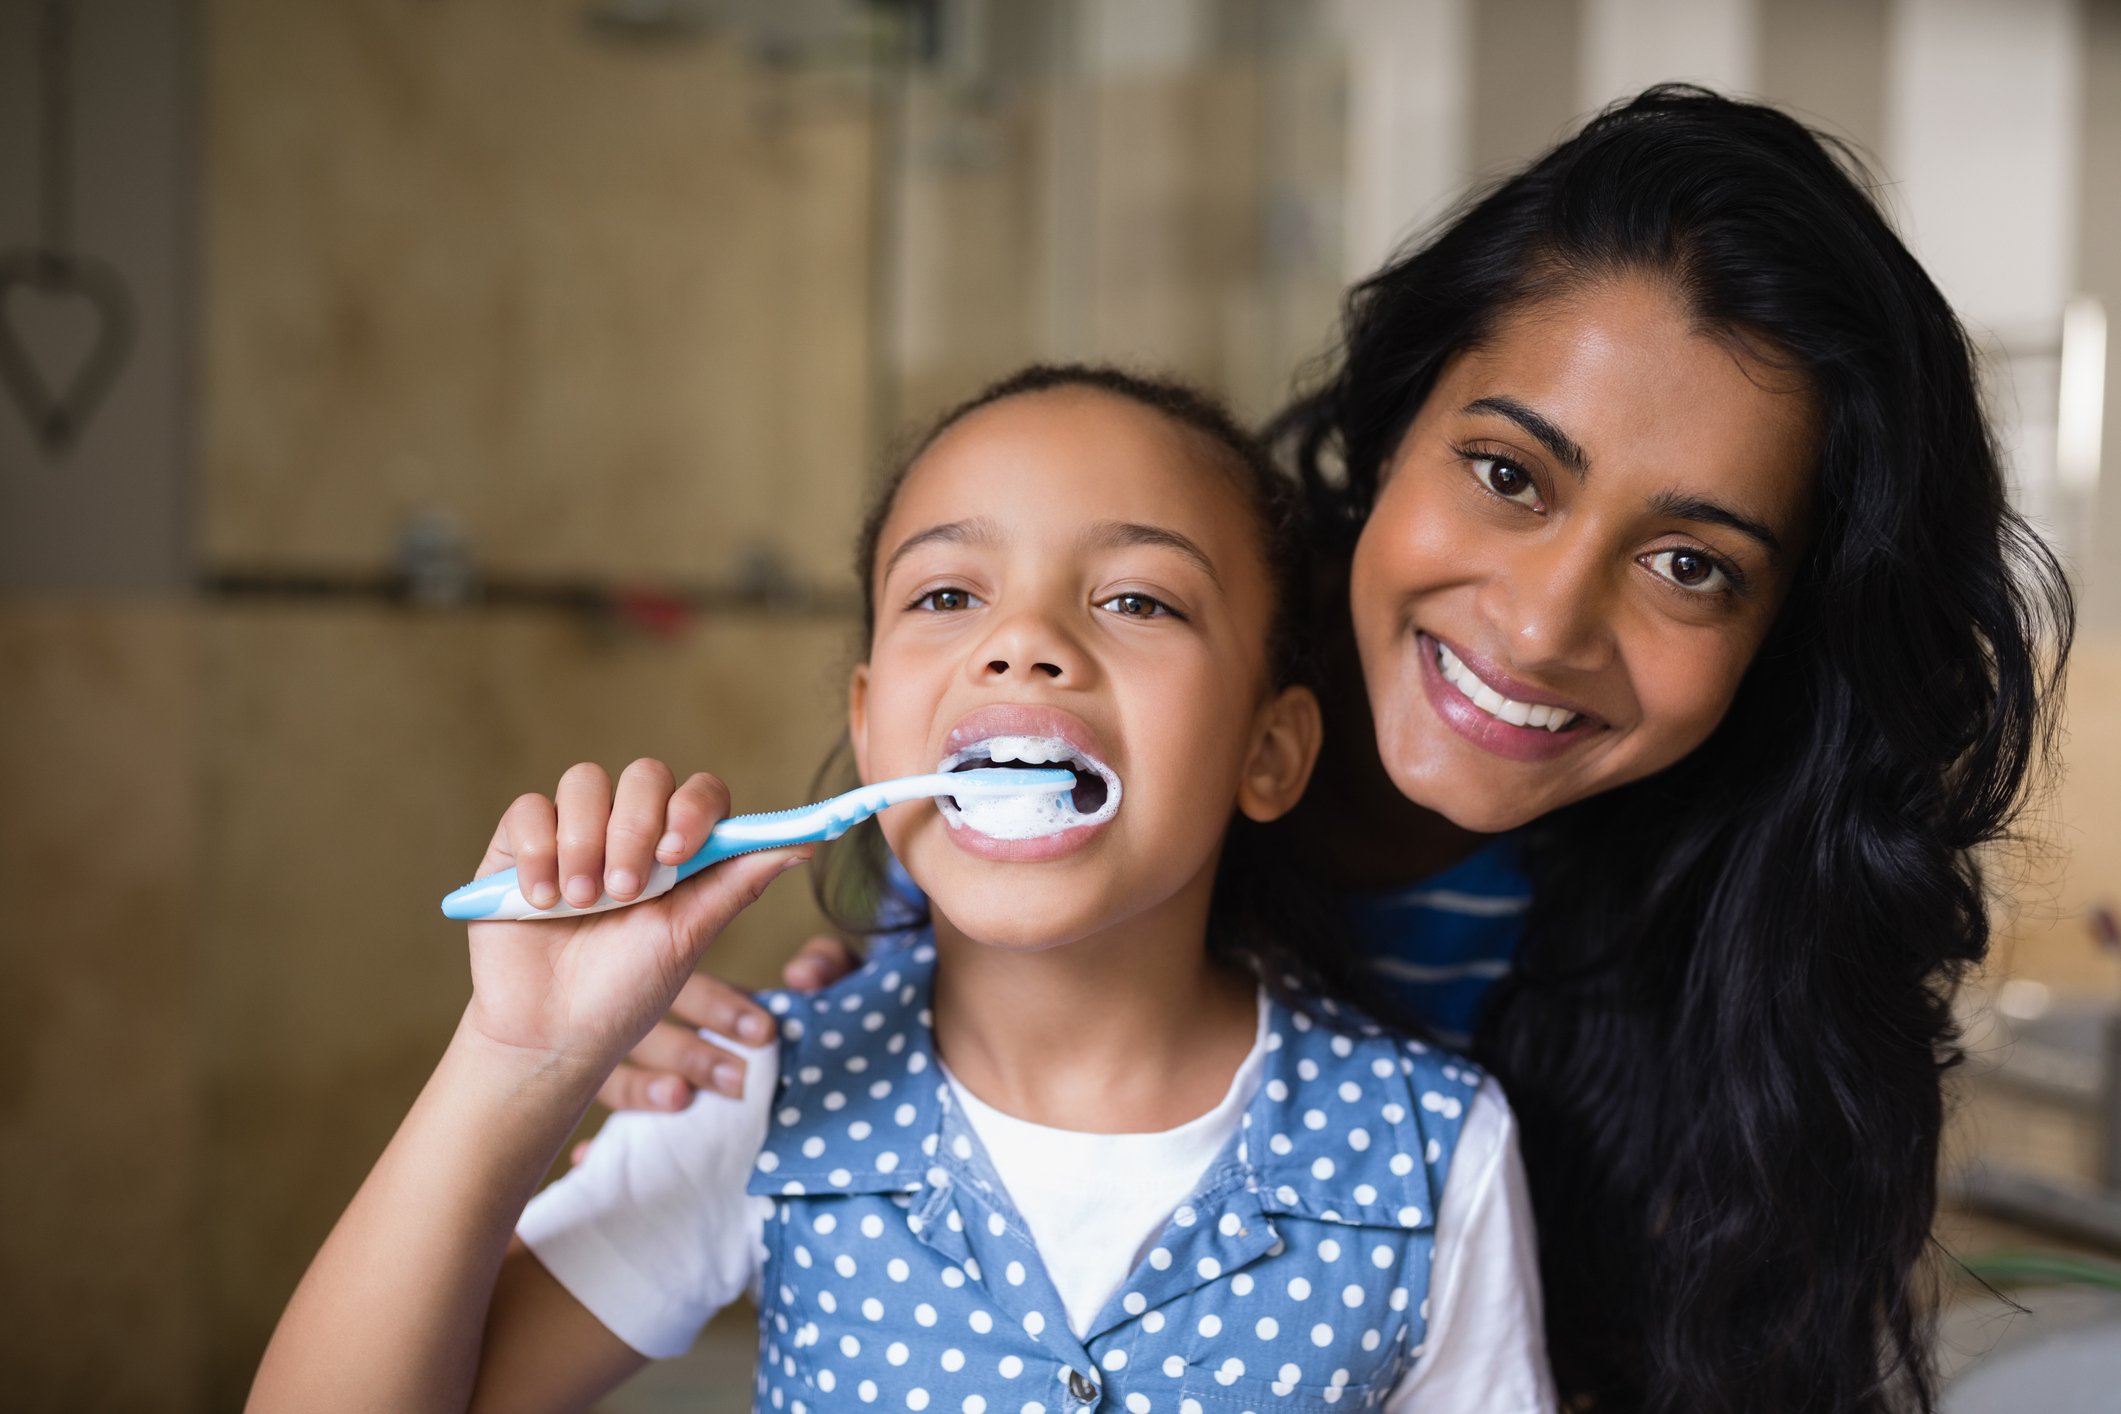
pixel 1684 695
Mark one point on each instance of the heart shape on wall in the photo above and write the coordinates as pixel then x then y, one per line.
pixel 57 409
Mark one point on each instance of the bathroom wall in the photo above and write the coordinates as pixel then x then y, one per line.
pixel 99 1070
pixel 108 513
pixel 99 1007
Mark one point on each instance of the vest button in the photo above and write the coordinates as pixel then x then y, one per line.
pixel 1079 1385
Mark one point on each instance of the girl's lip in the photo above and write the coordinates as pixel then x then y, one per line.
pixel 1492 733
pixel 1021 719
pixel 1032 851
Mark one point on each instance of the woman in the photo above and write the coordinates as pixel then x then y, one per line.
pixel 1679 557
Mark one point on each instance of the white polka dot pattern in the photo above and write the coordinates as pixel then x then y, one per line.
pixel 1297 1274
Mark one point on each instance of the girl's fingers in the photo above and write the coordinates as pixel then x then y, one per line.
pixel 699 805
pixel 709 1003
pixel 678 1050
pixel 632 1088
pixel 528 838
pixel 584 802
pixel 818 964
pixel 635 826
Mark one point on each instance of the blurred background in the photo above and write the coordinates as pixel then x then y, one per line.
pixel 407 398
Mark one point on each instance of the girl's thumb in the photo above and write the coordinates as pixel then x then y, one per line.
pixel 706 905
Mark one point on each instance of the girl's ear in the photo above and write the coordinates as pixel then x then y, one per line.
pixel 858 718
pixel 1285 740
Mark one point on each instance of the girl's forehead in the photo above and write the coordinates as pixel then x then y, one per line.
pixel 1050 460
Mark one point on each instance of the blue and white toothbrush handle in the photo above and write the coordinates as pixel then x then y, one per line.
pixel 496 897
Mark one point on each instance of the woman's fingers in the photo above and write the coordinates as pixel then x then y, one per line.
pixel 675 1049
pixel 528 839
pixel 636 824
pixel 818 964
pixel 632 1088
pixel 698 806
pixel 710 1004
pixel 584 802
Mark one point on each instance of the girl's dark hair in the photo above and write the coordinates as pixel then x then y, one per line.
pixel 1725 1032
pixel 1269 915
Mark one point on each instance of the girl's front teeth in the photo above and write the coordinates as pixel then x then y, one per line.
pixel 1029 750
pixel 1488 700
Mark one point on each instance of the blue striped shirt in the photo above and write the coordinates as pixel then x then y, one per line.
pixel 1440 944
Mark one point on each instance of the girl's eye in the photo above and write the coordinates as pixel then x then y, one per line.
pixel 1509 481
pixel 946 601
pixel 1135 606
pixel 1691 570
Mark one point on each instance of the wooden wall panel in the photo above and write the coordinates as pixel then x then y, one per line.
pixel 99 1142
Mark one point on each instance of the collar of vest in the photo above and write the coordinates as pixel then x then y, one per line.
pixel 1350 1125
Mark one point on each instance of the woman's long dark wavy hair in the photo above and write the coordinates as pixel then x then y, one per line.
pixel 1270 915
pixel 1725 1032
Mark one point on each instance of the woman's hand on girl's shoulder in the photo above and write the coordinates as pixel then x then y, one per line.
pixel 673 1060
pixel 583 990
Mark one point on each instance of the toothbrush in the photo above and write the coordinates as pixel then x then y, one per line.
pixel 496 896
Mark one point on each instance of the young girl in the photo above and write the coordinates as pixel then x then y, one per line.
pixel 1100 1139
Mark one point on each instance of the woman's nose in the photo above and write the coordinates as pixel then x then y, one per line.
pixel 1551 605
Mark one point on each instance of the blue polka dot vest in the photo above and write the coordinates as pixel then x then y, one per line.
pixel 899 1276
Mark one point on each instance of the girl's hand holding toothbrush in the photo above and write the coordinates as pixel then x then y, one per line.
pixel 394 1311
pixel 580 991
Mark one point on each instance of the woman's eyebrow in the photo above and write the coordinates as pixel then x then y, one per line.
pixel 1113 534
pixel 976 531
pixel 1551 437
pixel 1680 506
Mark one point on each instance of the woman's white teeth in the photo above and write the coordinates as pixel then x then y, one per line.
pixel 1488 700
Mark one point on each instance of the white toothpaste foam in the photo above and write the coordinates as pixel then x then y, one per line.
pixel 1026 817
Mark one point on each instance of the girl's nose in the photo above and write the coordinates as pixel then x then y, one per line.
pixel 1551 605
pixel 1030 647
pixel 999 667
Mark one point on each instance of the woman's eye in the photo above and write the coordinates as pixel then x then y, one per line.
pixel 1509 481
pixel 1135 606
pixel 1690 569
pixel 945 601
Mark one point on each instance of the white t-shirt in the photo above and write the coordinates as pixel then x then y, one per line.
pixel 1096 1203
pixel 654 1232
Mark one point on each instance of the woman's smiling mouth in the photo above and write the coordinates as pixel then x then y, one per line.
pixel 1498 721
pixel 1488 700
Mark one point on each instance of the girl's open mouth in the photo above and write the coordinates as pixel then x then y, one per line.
pixel 1094 800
